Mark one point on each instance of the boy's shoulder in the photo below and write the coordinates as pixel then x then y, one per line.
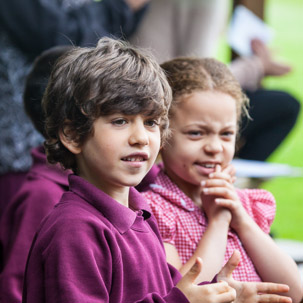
pixel 72 218
pixel 84 207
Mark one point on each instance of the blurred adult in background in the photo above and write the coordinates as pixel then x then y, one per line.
pixel 273 112
pixel 174 28
pixel 26 29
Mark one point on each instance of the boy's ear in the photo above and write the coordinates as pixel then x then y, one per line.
pixel 68 140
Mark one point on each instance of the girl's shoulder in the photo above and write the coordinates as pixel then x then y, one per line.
pixel 256 195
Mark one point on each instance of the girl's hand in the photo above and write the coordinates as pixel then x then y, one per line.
pixel 230 171
pixel 223 193
pixel 215 212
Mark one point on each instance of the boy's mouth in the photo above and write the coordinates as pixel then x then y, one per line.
pixel 137 157
pixel 133 159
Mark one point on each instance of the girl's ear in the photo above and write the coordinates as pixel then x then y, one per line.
pixel 68 140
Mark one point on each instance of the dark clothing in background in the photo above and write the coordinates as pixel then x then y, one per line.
pixel 274 114
pixel 35 26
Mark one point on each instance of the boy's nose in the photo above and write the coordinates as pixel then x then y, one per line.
pixel 138 136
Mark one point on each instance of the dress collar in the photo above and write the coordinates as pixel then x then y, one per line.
pixel 170 191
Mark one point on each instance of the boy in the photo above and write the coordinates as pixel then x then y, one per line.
pixel 106 111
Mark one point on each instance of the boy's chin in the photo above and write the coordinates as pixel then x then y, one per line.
pixel 133 182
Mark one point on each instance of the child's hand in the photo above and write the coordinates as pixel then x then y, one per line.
pixel 270 65
pixel 209 293
pixel 230 171
pixel 220 187
pixel 252 292
pixel 214 211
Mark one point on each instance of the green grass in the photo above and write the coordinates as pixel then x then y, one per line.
pixel 285 17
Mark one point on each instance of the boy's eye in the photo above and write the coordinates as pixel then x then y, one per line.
pixel 152 122
pixel 119 122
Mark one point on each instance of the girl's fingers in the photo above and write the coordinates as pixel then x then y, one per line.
pixel 220 191
pixel 230 204
pixel 216 183
pixel 221 175
pixel 230 170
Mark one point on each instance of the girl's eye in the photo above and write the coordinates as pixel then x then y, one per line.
pixel 119 122
pixel 228 134
pixel 152 122
pixel 194 133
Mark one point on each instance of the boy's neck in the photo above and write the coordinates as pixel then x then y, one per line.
pixel 118 193
pixel 120 196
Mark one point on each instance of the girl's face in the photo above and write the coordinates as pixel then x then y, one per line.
pixel 203 126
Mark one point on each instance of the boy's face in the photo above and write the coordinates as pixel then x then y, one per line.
pixel 204 126
pixel 120 152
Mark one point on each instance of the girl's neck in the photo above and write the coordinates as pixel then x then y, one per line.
pixel 191 190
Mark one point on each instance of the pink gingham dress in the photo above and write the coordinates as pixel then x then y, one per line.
pixel 182 223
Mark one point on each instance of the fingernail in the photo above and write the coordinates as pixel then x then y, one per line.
pixel 205 190
pixel 203 183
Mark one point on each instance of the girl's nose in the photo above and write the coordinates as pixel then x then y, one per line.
pixel 213 145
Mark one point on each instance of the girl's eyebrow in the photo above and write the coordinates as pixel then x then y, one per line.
pixel 206 126
pixel 231 124
pixel 196 125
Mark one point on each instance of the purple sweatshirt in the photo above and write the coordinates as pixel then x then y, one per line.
pixel 41 190
pixel 93 249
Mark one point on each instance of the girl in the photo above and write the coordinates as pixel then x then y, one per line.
pixel 199 211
